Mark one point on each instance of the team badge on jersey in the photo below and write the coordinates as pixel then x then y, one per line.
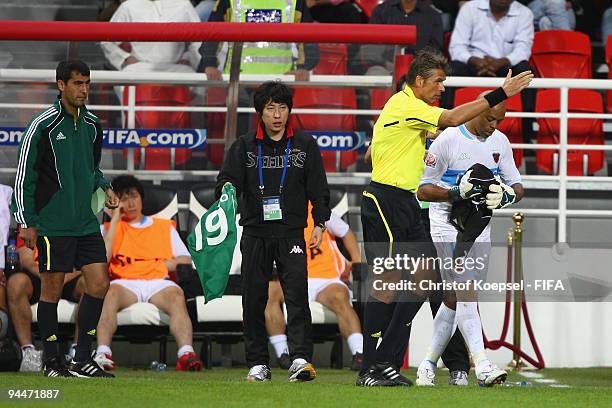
pixel 431 160
pixel 496 157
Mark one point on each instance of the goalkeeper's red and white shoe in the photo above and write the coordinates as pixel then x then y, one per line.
pixel 489 375
pixel 105 361
pixel 189 362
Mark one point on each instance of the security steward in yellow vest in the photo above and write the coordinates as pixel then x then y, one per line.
pixel 261 57
pixel 390 213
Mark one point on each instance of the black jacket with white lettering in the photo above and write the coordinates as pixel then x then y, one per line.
pixel 305 180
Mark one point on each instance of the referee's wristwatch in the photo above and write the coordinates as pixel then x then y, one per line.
pixel 322 226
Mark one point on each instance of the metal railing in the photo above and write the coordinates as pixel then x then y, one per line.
pixel 561 181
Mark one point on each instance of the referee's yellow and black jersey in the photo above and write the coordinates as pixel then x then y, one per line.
pixel 398 142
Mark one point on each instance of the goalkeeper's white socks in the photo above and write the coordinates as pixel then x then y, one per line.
pixel 443 325
pixel 442 332
pixel 468 321
pixel 279 342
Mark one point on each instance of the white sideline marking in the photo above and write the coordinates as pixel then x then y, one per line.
pixel 528 374
pixel 539 378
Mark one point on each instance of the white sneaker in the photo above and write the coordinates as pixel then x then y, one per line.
pixel 426 374
pixel 458 377
pixel 301 370
pixel 32 360
pixel 489 375
pixel 259 373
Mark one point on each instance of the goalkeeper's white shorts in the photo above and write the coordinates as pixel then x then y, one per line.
pixel 472 265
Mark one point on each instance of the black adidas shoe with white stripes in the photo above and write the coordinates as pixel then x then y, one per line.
pixel 88 369
pixel 392 374
pixel 372 379
pixel 56 367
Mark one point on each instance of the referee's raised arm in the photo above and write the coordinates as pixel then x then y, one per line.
pixel 468 111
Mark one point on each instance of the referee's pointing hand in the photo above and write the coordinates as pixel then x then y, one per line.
pixel 513 85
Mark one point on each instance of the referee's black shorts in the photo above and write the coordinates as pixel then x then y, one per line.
pixel 65 254
pixel 391 220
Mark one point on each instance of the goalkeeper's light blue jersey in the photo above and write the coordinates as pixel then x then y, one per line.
pixel 453 152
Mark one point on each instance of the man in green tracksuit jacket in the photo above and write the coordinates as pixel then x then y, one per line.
pixel 57 176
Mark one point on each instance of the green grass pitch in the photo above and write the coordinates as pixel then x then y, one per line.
pixel 224 388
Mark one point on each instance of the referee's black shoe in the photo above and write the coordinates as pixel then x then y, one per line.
pixel 56 367
pixel 372 378
pixel 392 374
pixel 88 369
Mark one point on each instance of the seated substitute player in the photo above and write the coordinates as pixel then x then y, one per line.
pixel 141 250
pixel 328 272
pixel 23 290
pixel 445 181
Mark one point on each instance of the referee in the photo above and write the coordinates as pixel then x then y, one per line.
pixel 390 213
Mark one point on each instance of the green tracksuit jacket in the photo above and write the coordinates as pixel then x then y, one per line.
pixel 58 172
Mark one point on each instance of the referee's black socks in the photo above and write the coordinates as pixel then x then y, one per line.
pixel 89 315
pixel 377 316
pixel 47 324
pixel 399 327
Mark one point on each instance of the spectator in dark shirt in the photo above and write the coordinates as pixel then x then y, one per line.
pixel 449 10
pixel 336 11
pixel 419 13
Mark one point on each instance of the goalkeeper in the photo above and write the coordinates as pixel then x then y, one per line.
pixel 469 173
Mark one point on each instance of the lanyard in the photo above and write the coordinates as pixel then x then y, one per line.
pixel 260 167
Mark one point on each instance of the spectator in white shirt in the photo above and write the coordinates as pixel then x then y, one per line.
pixel 154 56
pixel 491 36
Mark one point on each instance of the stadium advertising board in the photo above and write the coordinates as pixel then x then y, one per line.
pixel 187 138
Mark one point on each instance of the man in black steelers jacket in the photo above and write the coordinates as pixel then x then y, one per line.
pixel 276 170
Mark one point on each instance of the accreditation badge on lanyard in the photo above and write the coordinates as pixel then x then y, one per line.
pixel 271 205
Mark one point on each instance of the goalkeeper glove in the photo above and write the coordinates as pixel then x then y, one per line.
pixel 500 196
pixel 465 190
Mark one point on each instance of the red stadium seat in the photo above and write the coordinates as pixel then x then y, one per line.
pixel 378 96
pixel 561 54
pixel 609 62
pixel 156 95
pixel 511 127
pixel 320 98
pixel 580 131
pixel 333 60
pixel 367 5
pixel 215 125
pixel 402 65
